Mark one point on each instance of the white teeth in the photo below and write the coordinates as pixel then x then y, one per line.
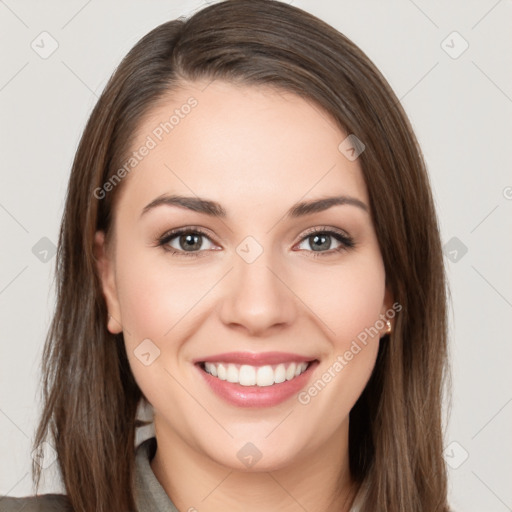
pixel 211 369
pixel 280 374
pixel 232 373
pixel 290 372
pixel 265 376
pixel 247 375
pixel 221 371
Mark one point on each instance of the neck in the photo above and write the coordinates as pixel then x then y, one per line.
pixel 316 482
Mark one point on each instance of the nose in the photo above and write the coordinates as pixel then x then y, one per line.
pixel 257 298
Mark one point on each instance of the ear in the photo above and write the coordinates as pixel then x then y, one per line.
pixel 105 268
pixel 388 312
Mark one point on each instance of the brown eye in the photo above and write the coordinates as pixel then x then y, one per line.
pixel 190 242
pixel 320 242
pixel 326 242
pixel 186 242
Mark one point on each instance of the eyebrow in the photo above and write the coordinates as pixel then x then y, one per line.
pixel 214 209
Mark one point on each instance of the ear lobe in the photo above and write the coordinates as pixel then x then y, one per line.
pixel 105 268
pixel 387 306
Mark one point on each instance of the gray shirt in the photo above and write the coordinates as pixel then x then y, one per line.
pixel 150 495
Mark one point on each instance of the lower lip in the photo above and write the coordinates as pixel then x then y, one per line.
pixel 256 396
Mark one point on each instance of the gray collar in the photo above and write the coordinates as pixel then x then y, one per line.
pixel 151 496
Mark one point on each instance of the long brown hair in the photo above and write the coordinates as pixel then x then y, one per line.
pixel 89 393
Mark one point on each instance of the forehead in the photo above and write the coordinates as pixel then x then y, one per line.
pixel 244 146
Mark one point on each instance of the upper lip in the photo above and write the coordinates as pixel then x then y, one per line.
pixel 254 359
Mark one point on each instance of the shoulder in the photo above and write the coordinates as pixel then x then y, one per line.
pixel 43 503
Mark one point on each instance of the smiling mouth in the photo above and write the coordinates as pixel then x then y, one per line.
pixel 259 376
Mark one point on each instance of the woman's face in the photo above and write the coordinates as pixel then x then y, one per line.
pixel 268 288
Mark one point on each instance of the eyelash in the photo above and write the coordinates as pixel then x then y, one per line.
pixel 346 241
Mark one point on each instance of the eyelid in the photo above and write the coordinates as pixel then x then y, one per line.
pixel 171 233
pixel 324 229
pixel 163 241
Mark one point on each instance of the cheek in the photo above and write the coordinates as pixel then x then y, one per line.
pixel 155 295
pixel 347 303
pixel 352 316
pixel 159 301
pixel 345 299
pixel 155 301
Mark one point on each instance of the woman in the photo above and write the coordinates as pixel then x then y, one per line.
pixel 250 246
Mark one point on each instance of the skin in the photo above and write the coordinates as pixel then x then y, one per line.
pixel 257 152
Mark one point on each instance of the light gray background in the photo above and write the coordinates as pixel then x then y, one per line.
pixel 460 108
